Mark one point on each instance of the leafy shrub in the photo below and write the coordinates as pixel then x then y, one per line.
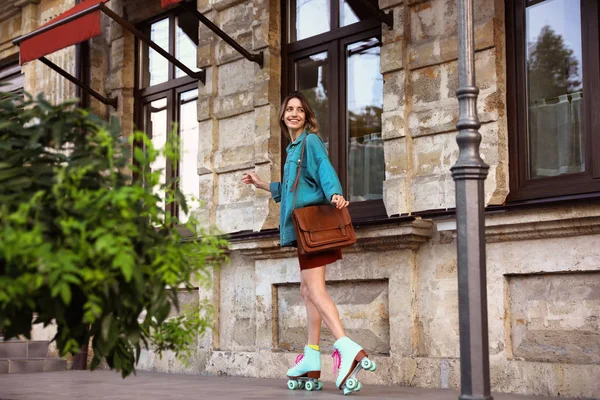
pixel 85 245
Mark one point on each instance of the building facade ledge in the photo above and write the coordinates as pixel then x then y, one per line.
pixel 531 224
pixel 391 236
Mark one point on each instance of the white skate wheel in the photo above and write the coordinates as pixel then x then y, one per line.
pixel 351 383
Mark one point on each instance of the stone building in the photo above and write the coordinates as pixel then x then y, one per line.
pixel 385 98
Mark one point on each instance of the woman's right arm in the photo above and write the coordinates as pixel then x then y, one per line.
pixel 273 187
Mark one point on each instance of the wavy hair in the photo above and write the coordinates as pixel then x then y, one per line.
pixel 310 125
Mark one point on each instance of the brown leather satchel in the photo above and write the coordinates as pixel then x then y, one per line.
pixel 320 227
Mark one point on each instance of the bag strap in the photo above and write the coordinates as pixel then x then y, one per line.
pixel 296 182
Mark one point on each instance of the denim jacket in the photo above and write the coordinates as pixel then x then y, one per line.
pixel 317 185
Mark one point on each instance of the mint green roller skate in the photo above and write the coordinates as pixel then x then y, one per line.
pixel 349 359
pixel 307 371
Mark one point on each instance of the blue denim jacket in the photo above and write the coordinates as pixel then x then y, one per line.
pixel 318 182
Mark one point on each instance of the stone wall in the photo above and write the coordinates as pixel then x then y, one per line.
pixel 397 288
pixel 245 101
pixel 542 280
pixel 11 23
pixel 398 295
pixel 419 63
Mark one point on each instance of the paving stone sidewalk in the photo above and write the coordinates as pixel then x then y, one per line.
pixel 108 385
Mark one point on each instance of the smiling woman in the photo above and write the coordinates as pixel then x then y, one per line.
pixel 294 117
pixel 316 183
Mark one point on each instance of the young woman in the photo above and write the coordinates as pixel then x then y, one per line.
pixel 318 184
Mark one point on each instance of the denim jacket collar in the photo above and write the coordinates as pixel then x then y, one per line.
pixel 297 141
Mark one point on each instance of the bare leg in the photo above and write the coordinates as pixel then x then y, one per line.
pixel 314 280
pixel 312 315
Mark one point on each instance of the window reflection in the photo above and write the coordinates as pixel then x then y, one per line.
pixel 189 181
pixel 186 42
pixel 353 11
pixel 12 79
pixel 312 82
pixel 365 104
pixel 156 128
pixel 312 18
pixel 554 85
pixel 158 68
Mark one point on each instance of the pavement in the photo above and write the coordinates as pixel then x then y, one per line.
pixel 108 385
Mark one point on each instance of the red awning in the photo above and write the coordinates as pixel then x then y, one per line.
pixel 166 3
pixel 72 32
pixel 80 24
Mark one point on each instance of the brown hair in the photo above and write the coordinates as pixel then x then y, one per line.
pixel 310 125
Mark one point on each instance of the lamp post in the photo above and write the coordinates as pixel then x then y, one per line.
pixel 469 174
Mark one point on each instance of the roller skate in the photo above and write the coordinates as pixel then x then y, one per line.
pixel 307 371
pixel 348 360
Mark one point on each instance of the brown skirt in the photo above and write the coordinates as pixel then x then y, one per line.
pixel 319 259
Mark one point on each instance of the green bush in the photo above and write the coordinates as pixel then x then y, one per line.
pixel 86 246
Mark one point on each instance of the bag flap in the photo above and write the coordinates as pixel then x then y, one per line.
pixel 321 217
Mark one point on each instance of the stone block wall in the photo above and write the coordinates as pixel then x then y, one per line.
pixel 543 299
pixel 420 70
pixel 11 24
pixel 548 323
pixel 402 277
pixel 243 110
pixel 262 318
pixel 397 288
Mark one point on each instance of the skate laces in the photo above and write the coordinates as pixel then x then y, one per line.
pixel 299 358
pixel 336 358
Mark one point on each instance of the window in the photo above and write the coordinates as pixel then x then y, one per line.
pixel 553 76
pixel 332 56
pixel 11 79
pixel 167 96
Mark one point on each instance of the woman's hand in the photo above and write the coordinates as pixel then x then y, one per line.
pixel 339 202
pixel 251 178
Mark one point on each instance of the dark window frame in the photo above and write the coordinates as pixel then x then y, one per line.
pixel 522 187
pixel 170 89
pixel 333 42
